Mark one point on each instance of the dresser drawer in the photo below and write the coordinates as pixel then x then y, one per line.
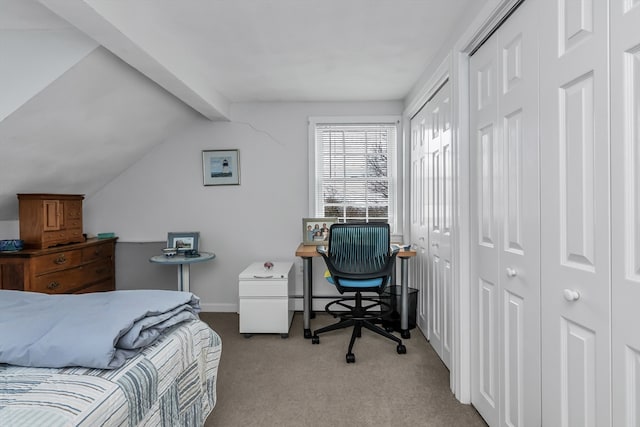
pixel 97 252
pixel 72 279
pixel 50 238
pixel 57 261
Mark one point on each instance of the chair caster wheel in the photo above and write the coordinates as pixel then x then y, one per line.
pixel 401 349
pixel 351 358
pixel 315 339
pixel 307 333
pixel 389 329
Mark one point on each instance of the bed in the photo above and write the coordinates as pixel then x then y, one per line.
pixel 170 382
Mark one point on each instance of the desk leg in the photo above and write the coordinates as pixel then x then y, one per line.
pixel 307 289
pixel 183 277
pixel 404 316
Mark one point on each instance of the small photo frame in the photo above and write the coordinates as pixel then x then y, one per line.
pixel 221 167
pixel 315 231
pixel 183 241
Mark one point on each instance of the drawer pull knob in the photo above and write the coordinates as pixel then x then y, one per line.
pixel 53 285
pixel 60 260
pixel 101 270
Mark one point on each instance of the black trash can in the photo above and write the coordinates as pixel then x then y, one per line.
pixel 393 296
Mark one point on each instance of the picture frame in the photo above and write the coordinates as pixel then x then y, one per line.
pixel 183 241
pixel 221 167
pixel 312 226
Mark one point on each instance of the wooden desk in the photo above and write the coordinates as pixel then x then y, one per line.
pixel 308 252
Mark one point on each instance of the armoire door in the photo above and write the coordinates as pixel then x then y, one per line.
pixel 505 223
pixel 625 211
pixel 574 135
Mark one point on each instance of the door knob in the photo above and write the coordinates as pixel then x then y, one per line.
pixel 512 272
pixel 571 295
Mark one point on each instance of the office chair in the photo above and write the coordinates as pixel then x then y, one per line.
pixel 359 259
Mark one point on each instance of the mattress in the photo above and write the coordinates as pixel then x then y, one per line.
pixel 170 383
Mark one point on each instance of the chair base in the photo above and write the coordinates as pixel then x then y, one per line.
pixel 358 317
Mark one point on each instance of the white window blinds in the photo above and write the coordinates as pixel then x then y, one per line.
pixel 355 171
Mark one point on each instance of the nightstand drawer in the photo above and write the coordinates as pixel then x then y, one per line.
pixel 264 288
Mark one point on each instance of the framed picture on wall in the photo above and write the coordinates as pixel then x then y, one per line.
pixel 183 241
pixel 221 167
pixel 315 231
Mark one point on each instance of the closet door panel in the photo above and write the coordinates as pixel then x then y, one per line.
pixel 419 267
pixel 485 232
pixel 625 198
pixel 520 193
pixel 440 166
pixel 575 257
pixel 506 218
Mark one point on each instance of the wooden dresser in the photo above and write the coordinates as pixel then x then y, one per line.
pixel 73 268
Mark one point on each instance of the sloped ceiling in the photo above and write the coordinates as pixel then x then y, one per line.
pixel 90 86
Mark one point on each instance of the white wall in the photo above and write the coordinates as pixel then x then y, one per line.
pixel 258 220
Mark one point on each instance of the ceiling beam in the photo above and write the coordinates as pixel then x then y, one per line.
pixel 207 101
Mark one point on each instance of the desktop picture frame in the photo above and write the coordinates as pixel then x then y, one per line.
pixel 221 167
pixel 312 226
pixel 183 241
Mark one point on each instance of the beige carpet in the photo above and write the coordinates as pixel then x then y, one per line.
pixel 266 380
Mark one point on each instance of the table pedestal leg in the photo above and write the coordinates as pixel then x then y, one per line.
pixel 183 277
pixel 307 279
pixel 404 315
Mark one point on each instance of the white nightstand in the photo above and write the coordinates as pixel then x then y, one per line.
pixel 266 303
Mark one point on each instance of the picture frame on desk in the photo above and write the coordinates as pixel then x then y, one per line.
pixel 315 231
pixel 183 241
pixel 221 167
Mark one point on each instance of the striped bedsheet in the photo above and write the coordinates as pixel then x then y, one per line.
pixel 170 383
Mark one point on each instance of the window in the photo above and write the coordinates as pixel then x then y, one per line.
pixel 353 169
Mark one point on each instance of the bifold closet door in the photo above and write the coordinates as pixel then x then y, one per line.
pixel 505 223
pixel 419 230
pixel 625 198
pixel 574 135
pixel 431 168
pixel 439 159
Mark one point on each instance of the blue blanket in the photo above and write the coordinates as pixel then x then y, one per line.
pixel 97 330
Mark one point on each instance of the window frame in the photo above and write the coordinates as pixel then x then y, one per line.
pixel 395 169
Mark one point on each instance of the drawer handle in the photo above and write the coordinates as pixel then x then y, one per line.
pixel 97 252
pixel 101 270
pixel 60 260
pixel 53 285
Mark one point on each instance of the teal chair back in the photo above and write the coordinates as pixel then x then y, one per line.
pixel 359 256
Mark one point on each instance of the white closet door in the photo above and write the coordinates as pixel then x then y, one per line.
pixel 520 235
pixel 506 223
pixel 625 198
pixel 485 232
pixel 419 228
pixel 439 285
pixel 574 135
